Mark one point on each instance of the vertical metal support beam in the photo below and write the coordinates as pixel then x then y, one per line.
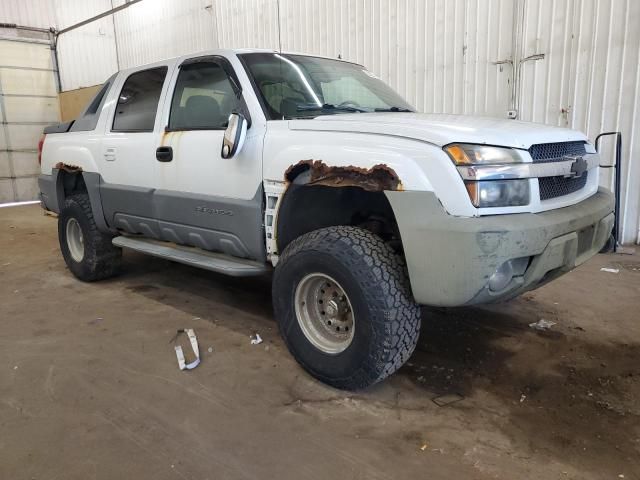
pixel 53 41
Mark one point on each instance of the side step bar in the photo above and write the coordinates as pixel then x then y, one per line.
pixel 215 262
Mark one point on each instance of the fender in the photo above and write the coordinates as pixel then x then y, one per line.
pixel 54 187
pixel 354 159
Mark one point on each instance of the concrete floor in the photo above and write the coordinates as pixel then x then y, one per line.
pixel 89 384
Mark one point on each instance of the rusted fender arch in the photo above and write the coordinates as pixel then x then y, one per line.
pixel 315 172
pixel 68 168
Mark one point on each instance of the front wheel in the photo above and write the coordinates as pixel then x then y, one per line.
pixel 343 304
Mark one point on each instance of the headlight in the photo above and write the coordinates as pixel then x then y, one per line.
pixel 498 192
pixel 466 154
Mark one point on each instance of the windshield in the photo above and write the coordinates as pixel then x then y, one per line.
pixel 299 86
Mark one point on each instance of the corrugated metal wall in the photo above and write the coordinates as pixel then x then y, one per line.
pixel 32 13
pixel 442 55
pixel 589 80
pixel 86 56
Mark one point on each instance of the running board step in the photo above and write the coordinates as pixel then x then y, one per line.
pixel 215 262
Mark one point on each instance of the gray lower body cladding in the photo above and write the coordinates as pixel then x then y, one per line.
pixel 451 259
pixel 219 224
pixel 48 194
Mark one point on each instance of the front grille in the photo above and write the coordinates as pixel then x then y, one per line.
pixel 553 152
pixel 552 187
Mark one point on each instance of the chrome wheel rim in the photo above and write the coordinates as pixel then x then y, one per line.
pixel 324 313
pixel 75 239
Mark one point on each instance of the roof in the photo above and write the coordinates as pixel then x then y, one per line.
pixel 227 52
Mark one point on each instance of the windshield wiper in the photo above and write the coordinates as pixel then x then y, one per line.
pixel 393 109
pixel 328 107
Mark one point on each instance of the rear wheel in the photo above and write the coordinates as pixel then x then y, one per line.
pixel 88 252
pixel 344 307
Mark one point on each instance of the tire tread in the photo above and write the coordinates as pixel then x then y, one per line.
pixel 386 287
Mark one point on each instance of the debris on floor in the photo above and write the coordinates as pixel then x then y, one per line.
pixel 256 339
pixel 610 270
pixel 447 399
pixel 194 346
pixel 542 324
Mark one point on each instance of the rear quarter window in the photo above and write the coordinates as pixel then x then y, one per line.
pixel 89 118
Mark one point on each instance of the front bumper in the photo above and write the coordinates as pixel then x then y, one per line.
pixel 450 259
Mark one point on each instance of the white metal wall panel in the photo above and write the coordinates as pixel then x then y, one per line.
pixel 588 80
pixel 31 13
pixel 247 23
pixel 87 55
pixel 153 30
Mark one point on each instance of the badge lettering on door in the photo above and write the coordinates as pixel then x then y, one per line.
pixel 213 211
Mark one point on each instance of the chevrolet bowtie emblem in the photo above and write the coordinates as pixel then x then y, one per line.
pixel 578 167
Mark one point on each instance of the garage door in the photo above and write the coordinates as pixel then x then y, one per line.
pixel 28 102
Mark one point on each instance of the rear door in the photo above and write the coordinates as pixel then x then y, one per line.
pixel 205 200
pixel 128 160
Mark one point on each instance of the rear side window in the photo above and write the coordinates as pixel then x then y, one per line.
pixel 88 120
pixel 138 101
pixel 203 98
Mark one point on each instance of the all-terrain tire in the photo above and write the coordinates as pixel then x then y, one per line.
pixel 100 259
pixel 373 276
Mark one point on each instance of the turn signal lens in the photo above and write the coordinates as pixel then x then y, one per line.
pixel 457 155
pixel 468 154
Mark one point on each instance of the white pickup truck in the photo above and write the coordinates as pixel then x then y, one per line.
pixel 247 162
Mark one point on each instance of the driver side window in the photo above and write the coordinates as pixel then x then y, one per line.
pixel 203 98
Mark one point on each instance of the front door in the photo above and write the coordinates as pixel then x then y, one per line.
pixel 205 200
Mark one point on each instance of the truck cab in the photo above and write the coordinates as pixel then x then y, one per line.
pixel 314 171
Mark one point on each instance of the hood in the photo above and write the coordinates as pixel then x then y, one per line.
pixel 442 129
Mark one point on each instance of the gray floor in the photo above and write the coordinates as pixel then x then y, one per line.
pixel 89 385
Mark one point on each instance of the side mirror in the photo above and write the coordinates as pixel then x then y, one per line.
pixel 234 135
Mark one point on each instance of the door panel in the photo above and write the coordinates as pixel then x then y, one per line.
pixel 128 163
pixel 211 222
pixel 205 200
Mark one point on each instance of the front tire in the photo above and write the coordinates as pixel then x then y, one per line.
pixel 342 300
pixel 87 251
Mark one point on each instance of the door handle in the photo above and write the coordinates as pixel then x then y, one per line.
pixel 164 154
pixel 110 154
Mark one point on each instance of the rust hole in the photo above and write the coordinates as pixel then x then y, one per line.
pixel 68 168
pixel 316 172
